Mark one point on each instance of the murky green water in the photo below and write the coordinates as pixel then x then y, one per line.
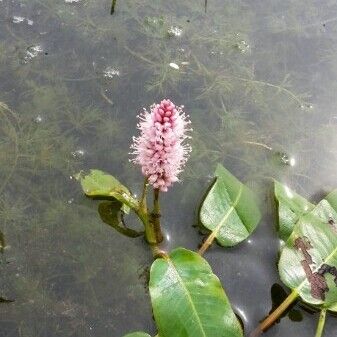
pixel 259 82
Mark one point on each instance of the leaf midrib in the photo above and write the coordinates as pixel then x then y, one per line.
pixel 186 291
pixel 223 221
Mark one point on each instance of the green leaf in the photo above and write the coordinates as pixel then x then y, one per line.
pixel 188 299
pixel 291 206
pixel 110 213
pixel 137 334
pixel 229 209
pixel 308 262
pixel 98 184
pixel 332 199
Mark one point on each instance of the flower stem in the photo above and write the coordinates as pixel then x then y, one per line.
pixel 150 234
pixel 142 212
pixel 143 203
pixel 155 216
pixel 151 221
pixel 275 314
pixel 321 323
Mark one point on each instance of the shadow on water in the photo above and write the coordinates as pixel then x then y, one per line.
pixel 278 295
pixel 2 242
pixel 2 247
pixel 111 213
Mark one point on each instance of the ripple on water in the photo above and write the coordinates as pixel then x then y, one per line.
pixel 78 154
pixel 287 159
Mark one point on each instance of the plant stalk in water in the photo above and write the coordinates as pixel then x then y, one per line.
pixel 113 6
pixel 321 323
pixel 151 221
pixel 275 315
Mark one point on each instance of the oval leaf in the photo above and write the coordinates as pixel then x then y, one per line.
pixel 291 206
pixel 308 262
pixel 188 299
pixel 137 334
pixel 229 209
pixel 332 199
pixel 100 184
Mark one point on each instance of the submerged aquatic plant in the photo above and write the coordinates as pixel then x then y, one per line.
pixel 160 148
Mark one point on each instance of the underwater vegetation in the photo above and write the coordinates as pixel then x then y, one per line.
pixel 258 81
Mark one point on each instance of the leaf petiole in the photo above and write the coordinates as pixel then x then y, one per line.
pixel 321 323
pixel 275 315
pixel 214 233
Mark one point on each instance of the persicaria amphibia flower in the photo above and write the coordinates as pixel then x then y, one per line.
pixel 160 148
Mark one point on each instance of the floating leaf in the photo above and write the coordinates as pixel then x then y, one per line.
pixel 308 262
pixel 291 206
pixel 188 299
pixel 100 184
pixel 110 213
pixel 229 210
pixel 332 199
pixel 137 334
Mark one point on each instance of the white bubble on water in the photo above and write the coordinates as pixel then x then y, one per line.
pixel 174 65
pixel 110 72
pixel 78 153
pixel 18 19
pixel 243 46
pixel 174 31
pixel 38 119
pixel 32 52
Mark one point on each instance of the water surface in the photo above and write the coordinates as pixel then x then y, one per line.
pixel 259 82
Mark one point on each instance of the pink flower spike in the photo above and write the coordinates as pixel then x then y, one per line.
pixel 160 148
